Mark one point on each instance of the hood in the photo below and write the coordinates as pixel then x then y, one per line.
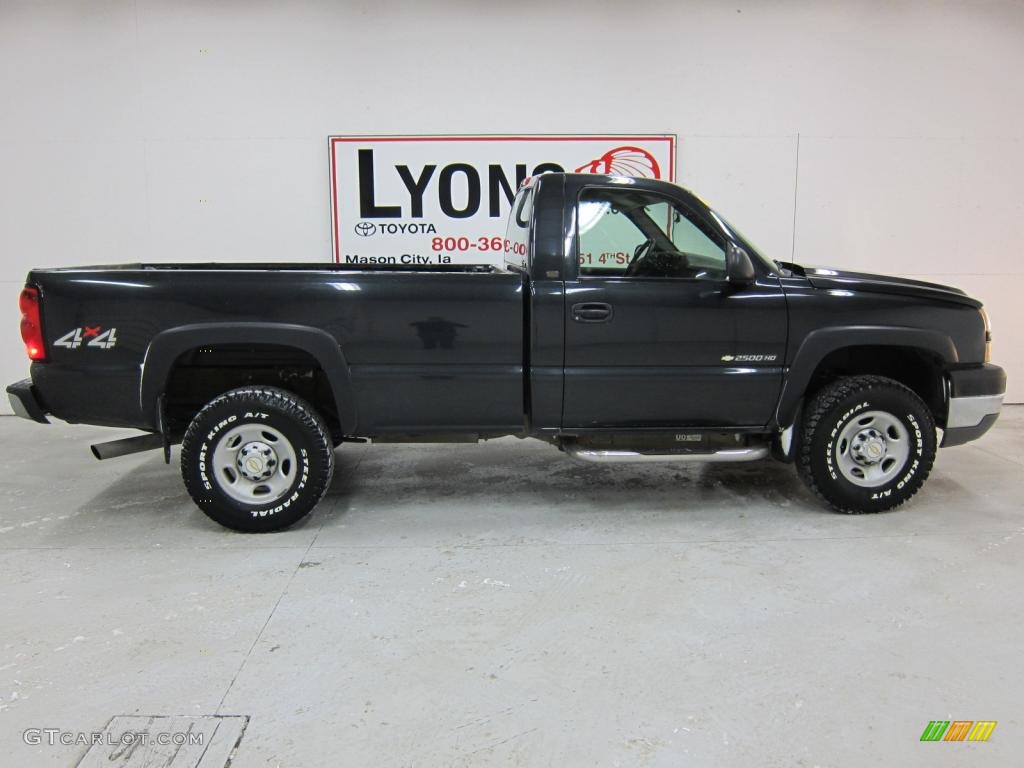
pixel 829 278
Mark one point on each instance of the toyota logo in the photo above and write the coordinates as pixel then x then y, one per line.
pixel 365 228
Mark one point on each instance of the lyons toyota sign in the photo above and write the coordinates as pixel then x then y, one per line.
pixel 423 200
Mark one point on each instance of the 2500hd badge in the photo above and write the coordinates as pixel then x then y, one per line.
pixel 689 345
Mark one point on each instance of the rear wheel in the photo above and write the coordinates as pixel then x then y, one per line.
pixel 867 444
pixel 257 459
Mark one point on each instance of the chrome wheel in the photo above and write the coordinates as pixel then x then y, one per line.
pixel 254 464
pixel 872 449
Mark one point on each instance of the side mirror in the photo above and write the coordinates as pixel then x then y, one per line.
pixel 738 267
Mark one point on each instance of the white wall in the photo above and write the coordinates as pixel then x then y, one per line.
pixel 895 130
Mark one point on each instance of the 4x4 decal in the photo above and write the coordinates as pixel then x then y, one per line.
pixel 95 334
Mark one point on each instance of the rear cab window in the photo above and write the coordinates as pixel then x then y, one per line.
pixel 517 236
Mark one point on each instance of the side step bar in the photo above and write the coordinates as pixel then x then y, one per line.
pixel 752 453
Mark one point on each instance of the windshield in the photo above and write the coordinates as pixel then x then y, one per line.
pixel 754 251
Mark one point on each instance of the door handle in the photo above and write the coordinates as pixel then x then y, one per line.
pixel 592 312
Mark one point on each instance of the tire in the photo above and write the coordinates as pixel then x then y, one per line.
pixel 867 444
pixel 257 459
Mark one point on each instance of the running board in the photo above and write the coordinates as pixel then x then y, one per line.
pixel 752 453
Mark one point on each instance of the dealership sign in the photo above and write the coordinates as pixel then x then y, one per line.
pixel 444 199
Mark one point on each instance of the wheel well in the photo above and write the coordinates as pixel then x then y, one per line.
pixel 917 369
pixel 200 374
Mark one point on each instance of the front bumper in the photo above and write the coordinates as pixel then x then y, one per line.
pixel 975 397
pixel 25 403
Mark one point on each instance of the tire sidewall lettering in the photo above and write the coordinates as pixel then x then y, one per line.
pixel 830 446
pixel 296 491
pixel 270 408
pixel 918 434
pixel 286 428
pixel 833 411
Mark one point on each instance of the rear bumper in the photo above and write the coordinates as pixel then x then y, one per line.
pixel 104 396
pixel 25 403
pixel 975 398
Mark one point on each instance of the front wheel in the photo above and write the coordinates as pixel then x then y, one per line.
pixel 867 444
pixel 257 459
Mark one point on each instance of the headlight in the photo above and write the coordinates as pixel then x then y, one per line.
pixel 988 335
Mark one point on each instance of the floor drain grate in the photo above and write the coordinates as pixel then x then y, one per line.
pixel 166 741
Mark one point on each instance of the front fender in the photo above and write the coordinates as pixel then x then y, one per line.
pixel 823 341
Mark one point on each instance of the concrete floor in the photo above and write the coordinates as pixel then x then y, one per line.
pixel 503 605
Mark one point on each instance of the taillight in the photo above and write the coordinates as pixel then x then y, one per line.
pixel 31 324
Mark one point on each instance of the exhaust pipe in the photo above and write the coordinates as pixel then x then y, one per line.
pixel 115 448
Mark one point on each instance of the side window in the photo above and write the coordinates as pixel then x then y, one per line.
pixel 517 235
pixel 627 233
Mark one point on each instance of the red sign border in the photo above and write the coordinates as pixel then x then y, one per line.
pixel 671 138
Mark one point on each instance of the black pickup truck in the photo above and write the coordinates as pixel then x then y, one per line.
pixel 630 323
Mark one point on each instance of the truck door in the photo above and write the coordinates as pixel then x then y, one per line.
pixel 655 336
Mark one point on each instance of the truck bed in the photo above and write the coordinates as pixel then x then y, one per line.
pixel 422 347
pixel 264 266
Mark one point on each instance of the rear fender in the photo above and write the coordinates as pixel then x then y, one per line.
pixel 168 346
